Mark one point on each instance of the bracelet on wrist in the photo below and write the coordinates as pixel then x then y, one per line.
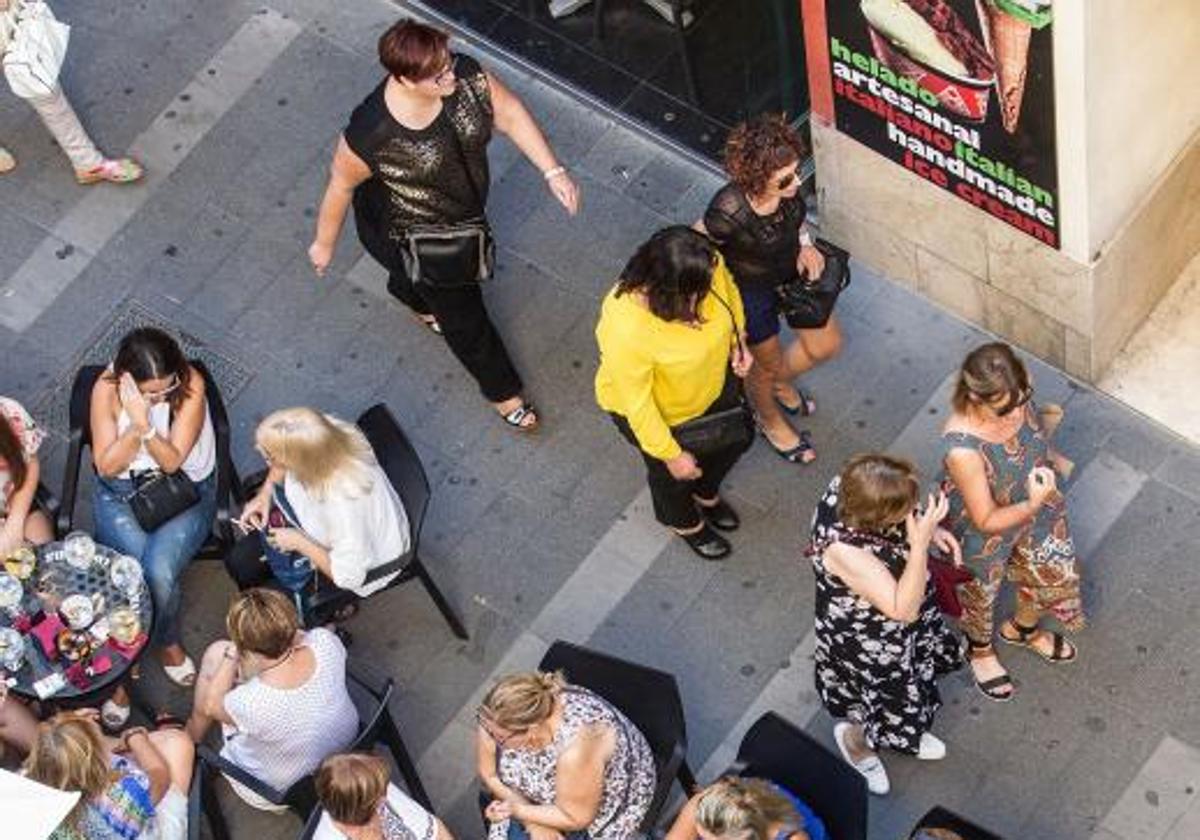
pixel 554 172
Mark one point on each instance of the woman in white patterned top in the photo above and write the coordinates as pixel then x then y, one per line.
pixel 560 760
pixel 360 804
pixel 278 693
pixel 19 471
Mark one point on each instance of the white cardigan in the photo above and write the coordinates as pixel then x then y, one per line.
pixel 360 531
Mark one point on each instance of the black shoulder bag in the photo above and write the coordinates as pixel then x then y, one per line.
pixel 731 425
pixel 807 304
pixel 451 255
pixel 161 496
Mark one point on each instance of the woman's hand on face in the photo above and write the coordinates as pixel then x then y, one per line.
pixel 948 544
pixel 920 527
pixel 810 263
pixel 565 190
pixel 683 467
pixel 133 402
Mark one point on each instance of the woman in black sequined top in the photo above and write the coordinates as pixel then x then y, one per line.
pixel 415 152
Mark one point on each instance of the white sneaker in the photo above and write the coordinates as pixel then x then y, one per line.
pixel 932 747
pixel 871 768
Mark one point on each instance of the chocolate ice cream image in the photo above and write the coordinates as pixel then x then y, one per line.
pixel 928 42
pixel 1007 26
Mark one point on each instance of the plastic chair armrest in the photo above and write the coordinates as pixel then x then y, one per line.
pixel 216 761
pixel 70 484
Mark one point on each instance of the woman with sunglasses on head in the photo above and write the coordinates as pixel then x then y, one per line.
pixel 560 762
pixel 671 352
pixel 415 154
pixel 757 220
pixel 149 414
pixel 737 808
pixel 1006 510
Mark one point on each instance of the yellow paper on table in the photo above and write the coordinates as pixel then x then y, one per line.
pixel 32 810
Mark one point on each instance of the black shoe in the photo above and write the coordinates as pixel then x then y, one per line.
pixel 708 543
pixel 721 516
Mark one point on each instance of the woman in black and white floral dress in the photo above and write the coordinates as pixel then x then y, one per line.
pixel 881 642
pixel 560 762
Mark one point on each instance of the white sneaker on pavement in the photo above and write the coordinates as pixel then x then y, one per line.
pixel 932 747
pixel 871 768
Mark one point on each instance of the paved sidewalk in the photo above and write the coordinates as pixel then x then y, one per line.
pixel 237 104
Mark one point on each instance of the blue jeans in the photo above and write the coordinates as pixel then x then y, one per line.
pixel 163 552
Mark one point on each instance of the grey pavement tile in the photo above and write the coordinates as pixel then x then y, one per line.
pixel 1097 496
pixel 18 239
pixel 1160 795
pixel 80 310
pixel 616 157
pixel 662 184
pixel 1181 469
pixel 195 252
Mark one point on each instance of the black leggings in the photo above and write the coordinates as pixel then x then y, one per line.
pixel 464 320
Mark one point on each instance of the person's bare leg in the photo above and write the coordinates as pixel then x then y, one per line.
pixel 18 726
pixel 199 722
pixel 760 388
pixel 179 753
pixel 812 347
pixel 38 529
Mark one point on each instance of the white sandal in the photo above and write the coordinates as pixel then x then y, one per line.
pixel 870 768
pixel 113 715
pixel 183 674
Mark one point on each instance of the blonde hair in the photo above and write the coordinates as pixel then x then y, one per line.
pixel 877 490
pixel 325 453
pixel 351 785
pixel 68 753
pixel 262 621
pixel 521 701
pixel 744 809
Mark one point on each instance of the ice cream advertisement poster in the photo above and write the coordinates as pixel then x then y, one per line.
pixel 959 92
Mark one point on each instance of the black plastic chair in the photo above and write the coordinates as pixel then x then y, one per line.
pixel 939 817
pixel 776 750
pixel 376 727
pixel 678 7
pixel 49 504
pixel 229 487
pixel 402 465
pixel 648 697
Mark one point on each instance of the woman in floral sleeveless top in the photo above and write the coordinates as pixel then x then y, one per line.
pixel 1006 510
pixel 560 760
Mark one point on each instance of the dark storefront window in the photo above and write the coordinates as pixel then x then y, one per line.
pixel 746 56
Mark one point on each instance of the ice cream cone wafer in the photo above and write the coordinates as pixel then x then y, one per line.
pixel 1008 39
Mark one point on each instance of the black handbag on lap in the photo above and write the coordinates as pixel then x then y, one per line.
pixel 159 497
pixel 451 255
pixel 808 304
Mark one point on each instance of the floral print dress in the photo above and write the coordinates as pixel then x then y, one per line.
pixel 629 777
pixel 1038 557
pixel 871 669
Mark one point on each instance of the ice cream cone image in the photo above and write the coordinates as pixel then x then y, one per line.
pixel 1007 26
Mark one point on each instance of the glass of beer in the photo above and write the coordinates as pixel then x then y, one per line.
pixel 124 625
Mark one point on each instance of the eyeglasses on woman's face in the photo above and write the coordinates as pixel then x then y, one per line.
pixel 446 76
pixel 153 392
pixel 498 735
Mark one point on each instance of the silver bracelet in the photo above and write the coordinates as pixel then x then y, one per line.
pixel 806 240
pixel 555 172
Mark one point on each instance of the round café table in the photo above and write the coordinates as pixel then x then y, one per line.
pixel 52 581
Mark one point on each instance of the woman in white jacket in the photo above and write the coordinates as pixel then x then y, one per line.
pixel 90 165
pixel 325 501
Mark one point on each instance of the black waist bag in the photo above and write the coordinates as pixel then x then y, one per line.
pixel 159 497
pixel 808 304
pixel 448 256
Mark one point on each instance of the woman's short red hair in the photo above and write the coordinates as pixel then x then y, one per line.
pixel 414 51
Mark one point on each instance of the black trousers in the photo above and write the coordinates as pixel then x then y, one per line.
pixel 469 332
pixel 674 505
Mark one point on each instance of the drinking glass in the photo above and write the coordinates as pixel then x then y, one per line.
pixel 12 650
pixel 10 592
pixel 124 625
pixel 21 563
pixel 125 573
pixel 80 549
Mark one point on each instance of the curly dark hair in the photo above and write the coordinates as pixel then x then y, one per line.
pixel 758 147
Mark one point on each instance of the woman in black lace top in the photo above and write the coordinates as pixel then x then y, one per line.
pixel 757 220
pixel 414 153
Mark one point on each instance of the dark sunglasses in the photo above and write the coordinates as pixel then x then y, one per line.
pixel 787 180
pixel 1023 397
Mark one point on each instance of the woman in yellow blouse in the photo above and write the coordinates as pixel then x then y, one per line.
pixel 669 333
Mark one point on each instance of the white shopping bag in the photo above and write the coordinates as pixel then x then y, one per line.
pixel 36 52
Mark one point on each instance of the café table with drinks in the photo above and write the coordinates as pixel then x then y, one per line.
pixel 74 618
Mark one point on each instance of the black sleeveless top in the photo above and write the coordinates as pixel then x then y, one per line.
pixel 435 175
pixel 760 250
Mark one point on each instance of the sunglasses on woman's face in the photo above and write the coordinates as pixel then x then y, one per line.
pixel 787 180
pixel 159 396
pixel 1023 397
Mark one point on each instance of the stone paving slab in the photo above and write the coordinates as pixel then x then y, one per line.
pixel 524 533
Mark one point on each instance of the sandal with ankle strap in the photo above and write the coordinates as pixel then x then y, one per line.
pixel 1061 651
pixel 113 170
pixel 993 689
pixel 807 406
pixel 516 418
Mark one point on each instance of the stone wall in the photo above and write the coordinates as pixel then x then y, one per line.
pixel 1073 315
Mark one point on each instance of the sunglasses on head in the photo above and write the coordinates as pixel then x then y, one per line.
pixel 1023 396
